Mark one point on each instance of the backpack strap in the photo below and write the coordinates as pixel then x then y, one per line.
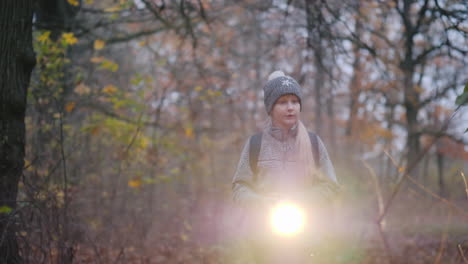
pixel 254 151
pixel 315 149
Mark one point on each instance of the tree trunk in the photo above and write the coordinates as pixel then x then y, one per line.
pixel 314 45
pixel 425 172
pixel 389 142
pixel 16 63
pixel 412 110
pixel 411 94
pixel 354 86
pixel 318 90
pixel 331 124
pixel 440 170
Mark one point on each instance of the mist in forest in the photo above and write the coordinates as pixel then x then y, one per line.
pixel 135 113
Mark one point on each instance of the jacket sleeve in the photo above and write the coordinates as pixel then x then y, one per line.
pixel 243 185
pixel 326 187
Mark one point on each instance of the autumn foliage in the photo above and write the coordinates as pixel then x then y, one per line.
pixel 137 112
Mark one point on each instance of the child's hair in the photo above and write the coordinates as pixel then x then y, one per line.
pixel 305 151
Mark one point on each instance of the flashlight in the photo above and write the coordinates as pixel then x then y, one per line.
pixel 287 219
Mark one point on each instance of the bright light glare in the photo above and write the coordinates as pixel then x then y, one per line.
pixel 287 219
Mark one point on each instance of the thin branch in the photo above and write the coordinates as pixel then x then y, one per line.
pixel 440 134
pixel 382 36
pixel 121 253
pixel 95 249
pixel 421 13
pixel 464 181
pixel 202 12
pixel 460 249
pixel 412 166
pixel 103 23
pixel 355 39
pixel 422 56
pixel 188 24
pixel 135 35
pixel 378 191
pixel 156 13
pixel 447 13
pixel 108 12
pixel 283 23
pixel 443 240
pixel 385 242
pixel 380 224
pixel 398 8
pixel 449 203
pixel 135 136
pixel 422 187
pixel 65 184
pixel 129 120
pixel 439 94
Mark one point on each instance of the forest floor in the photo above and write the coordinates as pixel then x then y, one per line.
pixel 422 232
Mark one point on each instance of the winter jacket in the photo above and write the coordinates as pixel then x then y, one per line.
pixel 278 169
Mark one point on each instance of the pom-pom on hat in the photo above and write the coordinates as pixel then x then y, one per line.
pixel 278 85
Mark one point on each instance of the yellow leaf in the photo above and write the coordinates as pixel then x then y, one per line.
pixel 162 62
pixel 95 130
pixel 144 143
pixel 69 38
pixel 95 224
pixel 214 93
pixel 28 165
pixel 109 89
pixel 184 237
pixel 73 2
pixel 109 65
pixel 198 88
pixel 99 44
pixel 113 9
pixel 401 169
pixel 44 37
pixel 82 89
pixel 418 89
pixel 97 59
pixel 88 2
pixel 189 132
pixel 70 106
pixel 104 99
pixel 164 178
pixel 187 226
pixel 134 183
pixel 5 209
pixel 175 171
pixel 60 196
pixel 142 43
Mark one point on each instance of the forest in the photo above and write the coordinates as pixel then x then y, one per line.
pixel 122 123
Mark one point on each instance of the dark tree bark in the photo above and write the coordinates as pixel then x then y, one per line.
pixel 314 44
pixel 418 24
pixel 55 15
pixel 440 172
pixel 17 60
pixel 354 87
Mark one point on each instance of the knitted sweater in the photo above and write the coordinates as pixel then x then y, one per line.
pixel 278 170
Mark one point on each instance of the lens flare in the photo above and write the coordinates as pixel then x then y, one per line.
pixel 287 219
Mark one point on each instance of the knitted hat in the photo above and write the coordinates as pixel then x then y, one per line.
pixel 278 85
